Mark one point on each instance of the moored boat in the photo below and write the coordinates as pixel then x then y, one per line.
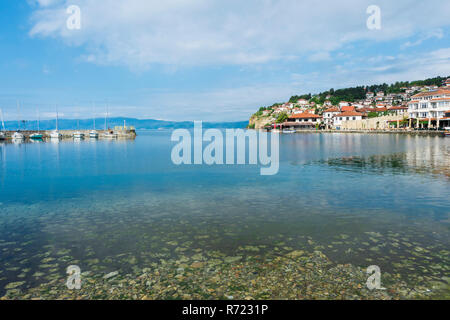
pixel 78 135
pixel 93 134
pixel 447 131
pixel 55 134
pixel 110 135
pixel 36 136
pixel 18 136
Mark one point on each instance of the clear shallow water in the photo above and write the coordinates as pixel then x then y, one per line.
pixel 122 205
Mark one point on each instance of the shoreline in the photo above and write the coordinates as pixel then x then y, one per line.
pixel 297 275
pixel 404 132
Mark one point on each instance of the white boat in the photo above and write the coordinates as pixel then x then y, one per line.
pixel 37 135
pixel 18 136
pixel 2 136
pixel 78 135
pixel 55 134
pixel 93 134
pixel 110 135
pixel 288 131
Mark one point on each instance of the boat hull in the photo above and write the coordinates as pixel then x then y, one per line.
pixel 36 137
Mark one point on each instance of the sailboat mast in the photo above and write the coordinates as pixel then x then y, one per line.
pixel 56 118
pixel 3 122
pixel 38 119
pixel 106 118
pixel 18 114
pixel 93 113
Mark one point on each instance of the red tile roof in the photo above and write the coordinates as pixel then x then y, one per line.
pixel 347 108
pixel 349 114
pixel 333 109
pixel 398 108
pixel 432 93
pixel 304 115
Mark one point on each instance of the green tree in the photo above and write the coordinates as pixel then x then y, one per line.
pixel 282 117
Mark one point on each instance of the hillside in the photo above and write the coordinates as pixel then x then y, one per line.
pixel 358 95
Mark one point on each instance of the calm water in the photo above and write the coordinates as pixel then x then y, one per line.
pixel 121 205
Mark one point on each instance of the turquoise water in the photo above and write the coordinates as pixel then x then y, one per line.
pixel 121 205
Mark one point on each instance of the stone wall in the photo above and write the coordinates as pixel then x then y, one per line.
pixel 371 124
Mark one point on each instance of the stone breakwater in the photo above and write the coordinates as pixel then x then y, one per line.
pixel 68 134
pixel 295 275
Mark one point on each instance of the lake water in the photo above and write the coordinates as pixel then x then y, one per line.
pixel 122 205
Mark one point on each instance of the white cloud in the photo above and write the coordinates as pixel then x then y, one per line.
pixel 436 33
pixel 139 33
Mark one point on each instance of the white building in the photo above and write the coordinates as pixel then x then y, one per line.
pixel 430 105
pixel 328 115
pixel 346 116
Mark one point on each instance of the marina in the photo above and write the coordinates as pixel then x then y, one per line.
pixel 68 134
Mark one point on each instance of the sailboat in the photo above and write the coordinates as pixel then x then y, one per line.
pixel 38 135
pixel 55 133
pixel 108 134
pixel 3 132
pixel 18 136
pixel 93 134
pixel 78 134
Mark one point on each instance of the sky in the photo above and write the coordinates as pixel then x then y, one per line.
pixel 210 60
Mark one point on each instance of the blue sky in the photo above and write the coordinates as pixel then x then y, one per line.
pixel 207 60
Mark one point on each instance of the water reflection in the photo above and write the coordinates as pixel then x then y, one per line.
pixel 430 155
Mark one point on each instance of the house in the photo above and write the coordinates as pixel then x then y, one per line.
pixel 346 116
pixel 398 110
pixel 347 108
pixel 302 102
pixel 370 95
pixel 305 117
pixel 447 83
pixel 328 115
pixel 343 104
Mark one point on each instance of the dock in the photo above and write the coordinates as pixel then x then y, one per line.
pixel 68 134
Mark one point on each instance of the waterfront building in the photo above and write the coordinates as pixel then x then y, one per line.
pixel 340 118
pixel 328 115
pixel 429 106
pixel 305 117
pixel 398 110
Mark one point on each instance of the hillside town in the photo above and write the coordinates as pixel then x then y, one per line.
pixel 425 107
